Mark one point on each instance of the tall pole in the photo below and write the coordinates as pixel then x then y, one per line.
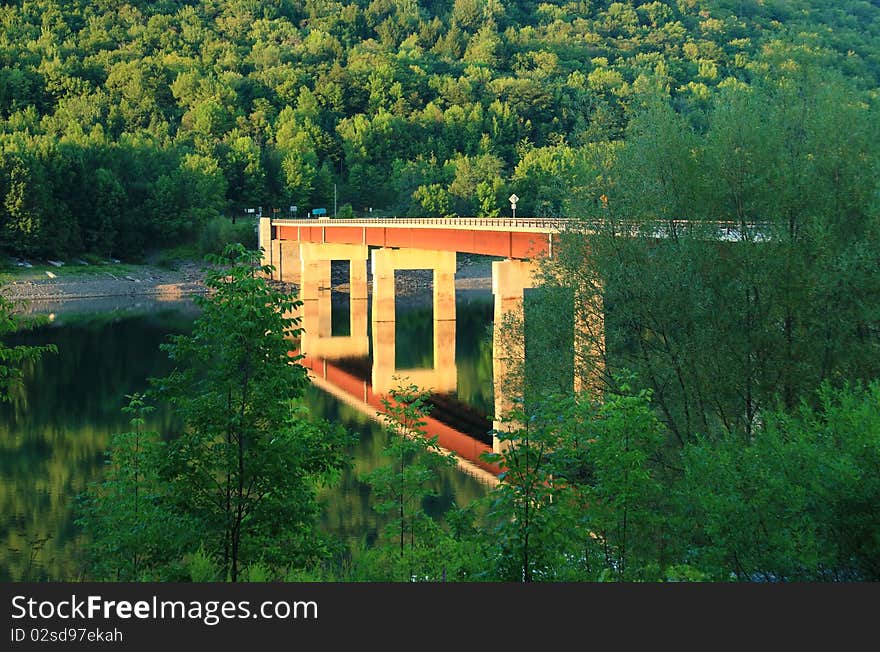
pixel 334 200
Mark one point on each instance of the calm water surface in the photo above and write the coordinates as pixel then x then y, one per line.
pixel 56 428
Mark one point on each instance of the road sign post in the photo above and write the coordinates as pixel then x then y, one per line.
pixel 513 199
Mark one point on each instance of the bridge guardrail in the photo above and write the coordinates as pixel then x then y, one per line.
pixel 452 221
pixel 727 230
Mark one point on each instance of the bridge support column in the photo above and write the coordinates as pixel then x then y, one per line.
pixel 264 239
pixel 288 267
pixel 444 288
pixel 280 254
pixel 316 259
pixel 384 290
pixel 510 278
pixel 357 279
pixel 314 278
pixel 385 262
pixel 358 309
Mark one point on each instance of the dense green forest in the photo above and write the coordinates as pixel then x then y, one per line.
pixel 729 430
pixel 127 124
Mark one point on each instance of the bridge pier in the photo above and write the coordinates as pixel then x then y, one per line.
pixel 288 264
pixel 510 279
pixel 314 278
pixel 316 263
pixel 283 255
pixel 386 262
pixel 264 239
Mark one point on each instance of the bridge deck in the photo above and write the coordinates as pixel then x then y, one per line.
pixel 506 237
pixel 523 225
pixel 492 237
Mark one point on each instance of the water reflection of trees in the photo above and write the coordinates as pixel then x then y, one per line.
pixel 54 432
pixel 473 347
pixel 56 428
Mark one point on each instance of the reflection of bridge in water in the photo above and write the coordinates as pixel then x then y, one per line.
pixel 302 252
pixel 341 365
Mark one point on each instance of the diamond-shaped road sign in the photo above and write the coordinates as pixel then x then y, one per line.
pixel 513 199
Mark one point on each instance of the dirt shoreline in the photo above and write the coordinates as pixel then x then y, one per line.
pixel 106 281
pixel 157 284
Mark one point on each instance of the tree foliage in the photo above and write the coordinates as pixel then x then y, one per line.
pixel 243 476
pixel 737 263
pixel 401 487
pixel 132 535
pixel 124 126
pixel 14 358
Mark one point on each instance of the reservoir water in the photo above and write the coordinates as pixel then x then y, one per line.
pixel 55 429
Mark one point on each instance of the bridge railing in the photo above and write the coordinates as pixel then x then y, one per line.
pixel 726 230
pixel 537 222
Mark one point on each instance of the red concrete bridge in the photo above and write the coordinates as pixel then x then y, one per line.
pixel 301 252
pixel 518 239
pixel 509 238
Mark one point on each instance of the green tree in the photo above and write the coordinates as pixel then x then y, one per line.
pixel 487 200
pixel 616 485
pixel 25 198
pixel 763 312
pixel 401 487
pixel 132 536
pixel 433 200
pixel 523 512
pixel 465 191
pixel 13 359
pixel 798 502
pixel 108 204
pixel 246 469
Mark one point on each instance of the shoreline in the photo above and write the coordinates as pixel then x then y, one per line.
pixel 37 292
pixel 84 283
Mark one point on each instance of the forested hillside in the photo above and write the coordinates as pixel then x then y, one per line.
pixel 128 124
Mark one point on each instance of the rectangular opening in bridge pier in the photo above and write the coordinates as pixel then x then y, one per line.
pixel 549 343
pixel 340 298
pixel 414 319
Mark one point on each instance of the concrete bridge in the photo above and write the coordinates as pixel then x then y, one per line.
pixel 510 238
pixel 301 251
